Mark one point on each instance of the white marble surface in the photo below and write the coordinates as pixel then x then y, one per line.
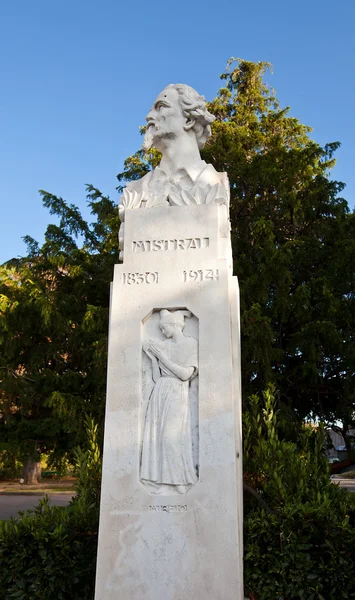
pixel 169 452
pixel 178 125
pixel 178 546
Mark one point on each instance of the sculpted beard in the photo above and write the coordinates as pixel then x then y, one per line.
pixel 148 139
pixel 153 134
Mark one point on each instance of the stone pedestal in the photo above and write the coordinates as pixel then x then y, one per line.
pixel 178 537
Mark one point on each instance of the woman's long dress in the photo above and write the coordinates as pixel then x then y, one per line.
pixel 167 457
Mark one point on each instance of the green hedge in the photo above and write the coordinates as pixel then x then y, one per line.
pixel 305 553
pixel 302 547
pixel 308 553
pixel 50 553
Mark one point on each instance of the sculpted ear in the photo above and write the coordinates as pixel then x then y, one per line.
pixel 189 123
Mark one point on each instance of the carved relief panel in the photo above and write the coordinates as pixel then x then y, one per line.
pixel 169 412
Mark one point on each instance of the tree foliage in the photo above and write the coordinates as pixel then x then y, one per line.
pixel 53 332
pixel 294 254
pixel 293 246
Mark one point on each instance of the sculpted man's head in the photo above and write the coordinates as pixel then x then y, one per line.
pixel 177 112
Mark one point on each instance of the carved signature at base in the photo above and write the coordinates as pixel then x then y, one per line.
pixel 169 508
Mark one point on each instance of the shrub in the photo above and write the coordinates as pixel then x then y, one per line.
pixel 303 552
pixel 303 545
pixel 50 553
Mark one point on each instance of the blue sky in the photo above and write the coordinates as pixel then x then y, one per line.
pixel 77 79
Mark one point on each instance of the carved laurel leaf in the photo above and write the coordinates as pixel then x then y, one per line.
pixel 148 201
pixel 125 200
pixel 211 195
pixel 206 190
pixel 155 200
pixel 175 199
pixel 199 196
pixel 121 210
pixel 130 199
pixel 187 197
pixel 163 201
pixel 121 235
pixel 194 192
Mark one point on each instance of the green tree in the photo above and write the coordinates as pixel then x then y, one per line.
pixel 294 253
pixel 293 247
pixel 53 332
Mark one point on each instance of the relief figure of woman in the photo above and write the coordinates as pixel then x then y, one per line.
pixel 167 464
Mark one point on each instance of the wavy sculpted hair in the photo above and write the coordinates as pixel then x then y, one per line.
pixel 193 106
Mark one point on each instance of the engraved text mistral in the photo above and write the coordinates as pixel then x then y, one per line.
pixel 176 244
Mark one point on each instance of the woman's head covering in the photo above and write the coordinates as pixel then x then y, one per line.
pixel 174 317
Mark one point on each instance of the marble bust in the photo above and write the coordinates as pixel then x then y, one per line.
pixel 178 125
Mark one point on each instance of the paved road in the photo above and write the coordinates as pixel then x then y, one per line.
pixel 349 484
pixel 10 504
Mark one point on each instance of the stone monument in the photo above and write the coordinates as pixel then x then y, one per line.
pixel 171 504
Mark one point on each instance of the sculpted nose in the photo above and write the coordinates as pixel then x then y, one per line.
pixel 150 116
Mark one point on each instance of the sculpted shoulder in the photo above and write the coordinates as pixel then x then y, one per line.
pixel 210 176
pixel 185 186
pixel 191 345
pixel 140 184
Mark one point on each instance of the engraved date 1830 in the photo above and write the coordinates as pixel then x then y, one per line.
pixel 137 278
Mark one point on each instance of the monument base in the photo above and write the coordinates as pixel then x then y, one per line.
pixel 160 540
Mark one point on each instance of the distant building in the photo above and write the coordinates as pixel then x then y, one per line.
pixel 338 449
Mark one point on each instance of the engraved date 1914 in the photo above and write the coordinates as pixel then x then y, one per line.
pixel 138 278
pixel 201 275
